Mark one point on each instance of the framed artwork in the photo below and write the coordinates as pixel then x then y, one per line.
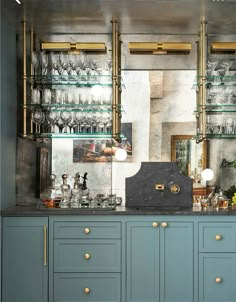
pixel 102 150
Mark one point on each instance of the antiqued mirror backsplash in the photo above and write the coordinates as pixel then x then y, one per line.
pixel 158 105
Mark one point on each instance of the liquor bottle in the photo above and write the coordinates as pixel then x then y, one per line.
pixel 66 192
pixel 76 192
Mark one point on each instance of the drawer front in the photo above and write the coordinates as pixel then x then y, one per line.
pixel 87 230
pixel 217 275
pixel 78 255
pixel 217 237
pixel 87 287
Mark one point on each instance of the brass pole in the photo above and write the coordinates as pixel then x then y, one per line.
pixel 115 83
pixel 198 96
pixel 202 91
pixel 24 80
pixel 31 73
pixel 203 79
pixel 118 100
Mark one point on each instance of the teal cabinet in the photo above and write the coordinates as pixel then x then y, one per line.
pixel 217 261
pixel 160 261
pixel 143 265
pixel 217 275
pixel 24 259
pixel 176 261
pixel 89 287
pixel 86 259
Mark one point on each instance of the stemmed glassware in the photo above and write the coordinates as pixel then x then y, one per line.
pixel 82 110
pixel 66 117
pixel 35 96
pixel 214 74
pixel 52 117
pixel 35 62
pixel 38 118
pixel 44 63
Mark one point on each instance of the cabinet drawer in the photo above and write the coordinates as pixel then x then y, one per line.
pixel 217 277
pixel 87 229
pixel 80 255
pixel 217 237
pixel 86 287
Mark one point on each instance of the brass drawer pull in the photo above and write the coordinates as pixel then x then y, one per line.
pixel 155 224
pixel 45 245
pixel 86 290
pixel 218 280
pixel 164 224
pixel 87 256
pixel 87 230
pixel 218 237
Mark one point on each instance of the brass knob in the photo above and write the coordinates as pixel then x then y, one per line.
pixel 155 224
pixel 86 290
pixel 87 230
pixel 218 237
pixel 218 280
pixel 164 224
pixel 87 256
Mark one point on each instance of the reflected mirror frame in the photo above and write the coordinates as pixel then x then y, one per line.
pixel 204 157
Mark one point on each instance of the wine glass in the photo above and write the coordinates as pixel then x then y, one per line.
pixel 35 62
pixel 44 63
pixel 47 96
pixel 38 118
pixel 66 117
pixel 35 96
pixel 78 117
pixel 52 117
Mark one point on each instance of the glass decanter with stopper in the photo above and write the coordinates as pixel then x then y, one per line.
pixel 212 198
pixel 76 192
pixel 223 200
pixel 84 201
pixel 66 192
pixel 53 196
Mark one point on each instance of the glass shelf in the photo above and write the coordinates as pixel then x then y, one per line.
pixel 216 136
pixel 98 135
pixel 218 108
pixel 72 80
pixel 225 80
pixel 74 107
pixel 221 136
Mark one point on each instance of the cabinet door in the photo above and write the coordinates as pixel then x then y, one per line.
pixel 24 266
pixel 217 273
pixel 176 262
pixel 96 287
pixel 142 262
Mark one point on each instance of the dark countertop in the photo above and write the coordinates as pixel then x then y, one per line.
pixel 33 211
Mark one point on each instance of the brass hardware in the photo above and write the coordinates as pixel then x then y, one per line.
pixel 87 256
pixel 160 47
pixel 24 81
pixel 116 106
pixel 77 46
pixel 175 189
pixel 155 224
pixel 218 280
pixel 164 224
pixel 86 290
pixel 223 47
pixel 31 72
pixel 159 187
pixel 45 245
pixel 87 230
pixel 201 95
pixel 218 237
